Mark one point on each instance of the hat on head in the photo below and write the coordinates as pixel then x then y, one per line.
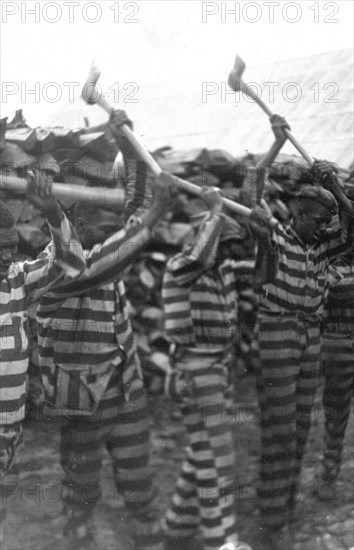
pixel 320 196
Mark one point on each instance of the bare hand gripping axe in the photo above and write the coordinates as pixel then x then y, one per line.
pixel 91 95
pixel 238 85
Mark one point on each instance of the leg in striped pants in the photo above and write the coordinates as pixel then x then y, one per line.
pixel 124 427
pixel 287 382
pixel 204 494
pixel 11 443
pixel 338 363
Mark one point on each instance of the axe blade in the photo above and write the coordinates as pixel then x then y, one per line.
pixel 235 77
pixel 89 91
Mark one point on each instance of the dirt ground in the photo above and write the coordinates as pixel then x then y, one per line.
pixel 35 520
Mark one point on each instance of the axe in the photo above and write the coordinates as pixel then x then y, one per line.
pixel 238 85
pixel 98 196
pixel 91 96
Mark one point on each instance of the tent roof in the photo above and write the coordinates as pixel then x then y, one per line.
pixel 315 94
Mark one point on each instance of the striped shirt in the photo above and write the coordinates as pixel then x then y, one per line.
pixel 62 259
pixel 339 311
pixel 201 298
pixel 302 282
pixel 84 326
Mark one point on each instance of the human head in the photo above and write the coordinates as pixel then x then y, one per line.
pixel 316 206
pixel 95 225
pixel 8 239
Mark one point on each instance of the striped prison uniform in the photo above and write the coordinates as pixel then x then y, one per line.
pixel 289 342
pixel 201 302
pixel 338 365
pixel 23 284
pixel 92 375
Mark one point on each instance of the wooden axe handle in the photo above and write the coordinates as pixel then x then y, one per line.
pixel 299 147
pixel 99 196
pixel 103 103
pixel 134 142
pixel 181 183
pixel 156 170
pixel 251 93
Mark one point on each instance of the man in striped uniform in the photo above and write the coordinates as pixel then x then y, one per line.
pixel 21 283
pixel 200 296
pixel 338 365
pixel 92 375
pixel 289 340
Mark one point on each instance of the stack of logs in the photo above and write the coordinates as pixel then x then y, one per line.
pixel 89 157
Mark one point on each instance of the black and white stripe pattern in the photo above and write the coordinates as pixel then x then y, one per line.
pixel 22 285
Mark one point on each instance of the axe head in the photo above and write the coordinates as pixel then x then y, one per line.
pixel 89 91
pixel 235 77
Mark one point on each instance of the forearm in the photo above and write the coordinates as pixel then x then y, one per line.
pixel 108 262
pixel 266 266
pixel 344 204
pixel 68 253
pixel 138 195
pixel 53 213
pixel 63 259
pixel 152 216
pixel 138 188
pixel 255 175
pixel 272 154
pixel 121 248
pixel 128 151
pixel 200 255
pixel 253 186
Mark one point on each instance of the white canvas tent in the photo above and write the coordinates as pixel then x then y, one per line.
pixel 314 93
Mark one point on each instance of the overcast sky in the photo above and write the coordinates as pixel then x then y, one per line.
pixel 151 41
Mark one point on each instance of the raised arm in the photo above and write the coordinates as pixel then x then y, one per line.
pixel 253 184
pixel 63 258
pixel 326 174
pixel 200 255
pixel 341 237
pixel 266 266
pixel 107 262
pixel 138 184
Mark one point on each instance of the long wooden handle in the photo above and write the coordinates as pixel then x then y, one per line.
pixel 299 147
pixel 99 196
pixel 252 94
pixel 181 183
pixel 156 170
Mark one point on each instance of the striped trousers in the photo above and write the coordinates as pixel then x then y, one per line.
pixel 11 443
pixel 286 383
pixel 124 428
pixel 338 366
pixel 204 495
